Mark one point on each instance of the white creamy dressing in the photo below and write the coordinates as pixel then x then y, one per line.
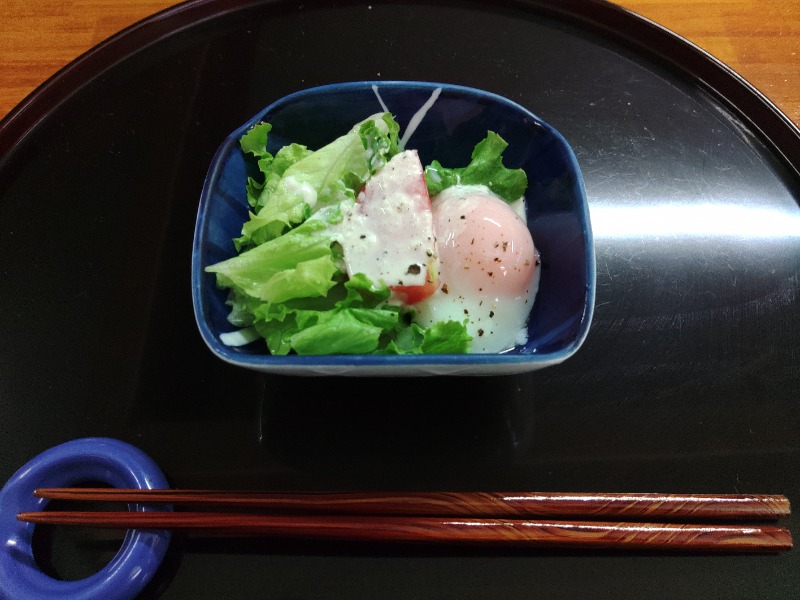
pixel 386 235
pixel 307 193
pixel 305 190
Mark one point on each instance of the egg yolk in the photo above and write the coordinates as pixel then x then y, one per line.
pixel 487 246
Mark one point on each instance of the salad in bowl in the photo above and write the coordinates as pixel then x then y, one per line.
pixel 377 228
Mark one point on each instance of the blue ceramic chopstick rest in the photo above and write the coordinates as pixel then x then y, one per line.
pixel 84 460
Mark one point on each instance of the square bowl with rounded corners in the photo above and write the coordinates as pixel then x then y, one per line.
pixel 455 119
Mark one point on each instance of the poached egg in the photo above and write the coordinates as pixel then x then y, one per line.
pixel 488 268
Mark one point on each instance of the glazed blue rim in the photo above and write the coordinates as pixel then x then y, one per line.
pixel 371 360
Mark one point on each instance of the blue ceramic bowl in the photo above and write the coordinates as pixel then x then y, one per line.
pixel 558 218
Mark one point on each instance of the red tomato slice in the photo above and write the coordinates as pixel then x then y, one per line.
pixel 411 294
pixel 394 210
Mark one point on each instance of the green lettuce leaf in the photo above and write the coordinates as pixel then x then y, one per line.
pixel 352 319
pixel 331 174
pixel 272 169
pixel 380 141
pixel 288 282
pixel 445 337
pixel 485 168
pixel 300 264
pixel 254 141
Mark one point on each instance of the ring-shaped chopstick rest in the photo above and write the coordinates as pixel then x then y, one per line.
pixel 79 461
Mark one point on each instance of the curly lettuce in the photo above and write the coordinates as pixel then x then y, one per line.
pixel 485 168
pixel 287 284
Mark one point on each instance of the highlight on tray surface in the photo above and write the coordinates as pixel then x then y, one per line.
pixel 358 248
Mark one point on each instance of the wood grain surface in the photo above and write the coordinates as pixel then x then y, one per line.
pixel 595 535
pixel 759 39
pixel 556 505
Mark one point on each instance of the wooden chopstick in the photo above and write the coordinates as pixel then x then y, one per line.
pixel 439 530
pixel 708 507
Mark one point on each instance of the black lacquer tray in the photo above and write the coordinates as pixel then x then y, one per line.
pixel 688 381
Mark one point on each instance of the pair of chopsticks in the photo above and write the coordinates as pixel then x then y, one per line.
pixel 657 522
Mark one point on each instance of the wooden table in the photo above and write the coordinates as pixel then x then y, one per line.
pixel 760 39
